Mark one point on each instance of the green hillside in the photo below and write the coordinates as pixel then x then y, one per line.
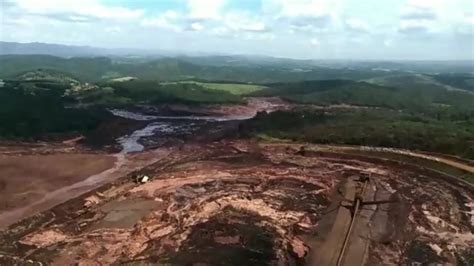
pixel 49 105
pixel 233 88
pixel 36 110
pixel 172 69
pixel 411 114
pixel 156 93
pixel 369 127
pixel 85 69
pixel 461 81
pixel 413 97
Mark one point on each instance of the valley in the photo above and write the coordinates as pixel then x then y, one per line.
pixel 177 171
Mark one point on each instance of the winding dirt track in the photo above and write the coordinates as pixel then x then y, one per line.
pixel 462 164
pixel 457 163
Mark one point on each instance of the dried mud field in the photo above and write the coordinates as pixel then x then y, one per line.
pixel 248 203
pixel 27 178
pixel 29 173
pixel 35 178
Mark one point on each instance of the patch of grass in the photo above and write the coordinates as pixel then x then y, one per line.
pixel 156 93
pixel 237 89
pixel 233 88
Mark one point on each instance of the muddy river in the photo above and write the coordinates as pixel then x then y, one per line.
pixel 173 125
pixel 165 126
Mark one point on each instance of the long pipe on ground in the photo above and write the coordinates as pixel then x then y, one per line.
pixel 354 215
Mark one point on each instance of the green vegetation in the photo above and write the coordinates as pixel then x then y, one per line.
pixel 155 93
pixel 462 81
pixel 101 96
pixel 368 127
pixel 430 96
pixel 36 110
pixel 233 88
pixel 46 75
pixel 212 69
pixel 418 99
pixel 327 92
pixel 171 69
pixel 44 103
pixel 413 111
pixel 409 114
pixel 84 69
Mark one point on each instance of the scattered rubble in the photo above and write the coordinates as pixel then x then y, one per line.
pixel 44 239
pixel 240 201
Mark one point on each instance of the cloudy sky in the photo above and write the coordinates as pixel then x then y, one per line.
pixel 322 29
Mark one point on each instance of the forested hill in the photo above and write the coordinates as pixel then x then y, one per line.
pixel 416 98
pixel 92 69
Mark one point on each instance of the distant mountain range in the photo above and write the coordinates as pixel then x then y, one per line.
pixel 172 68
pixel 264 65
pixel 15 48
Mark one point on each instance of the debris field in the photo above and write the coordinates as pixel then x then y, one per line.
pixel 243 202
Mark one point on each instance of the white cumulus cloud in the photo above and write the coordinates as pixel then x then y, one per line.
pixel 75 10
pixel 205 9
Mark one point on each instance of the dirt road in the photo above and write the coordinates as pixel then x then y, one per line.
pixel 464 165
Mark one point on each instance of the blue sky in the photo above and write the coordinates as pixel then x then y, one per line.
pixel 320 29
